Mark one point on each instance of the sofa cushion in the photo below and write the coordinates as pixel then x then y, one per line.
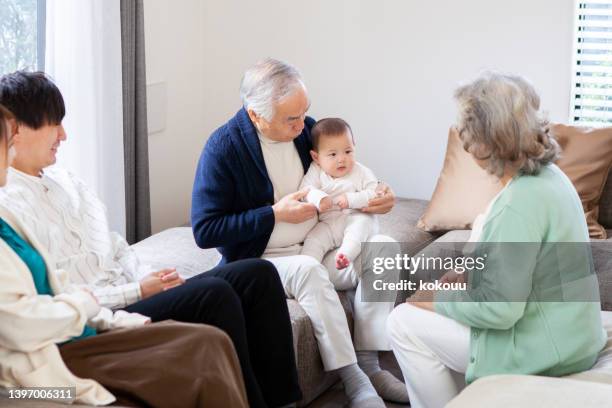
pixel 587 160
pixel 176 248
pixel 519 391
pixel 462 192
pixel 401 223
pixel 602 260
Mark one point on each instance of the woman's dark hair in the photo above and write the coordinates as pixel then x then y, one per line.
pixel 5 115
pixel 33 98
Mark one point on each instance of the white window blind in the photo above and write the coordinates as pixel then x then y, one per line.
pixel 592 74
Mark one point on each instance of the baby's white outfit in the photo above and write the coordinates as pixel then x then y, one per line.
pixel 346 228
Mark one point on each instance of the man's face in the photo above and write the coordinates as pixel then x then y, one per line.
pixel 36 148
pixel 336 154
pixel 288 120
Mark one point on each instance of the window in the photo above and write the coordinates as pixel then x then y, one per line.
pixel 22 35
pixel 592 73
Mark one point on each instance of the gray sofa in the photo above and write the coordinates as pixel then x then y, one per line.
pixel 176 247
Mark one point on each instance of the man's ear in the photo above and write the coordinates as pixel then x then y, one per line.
pixel 252 115
pixel 12 127
pixel 258 121
pixel 315 156
pixel 17 130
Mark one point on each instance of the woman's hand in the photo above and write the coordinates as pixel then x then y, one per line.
pixel 453 277
pixel 383 202
pixel 423 299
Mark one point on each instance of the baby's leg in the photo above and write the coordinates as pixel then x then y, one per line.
pixel 319 241
pixel 357 230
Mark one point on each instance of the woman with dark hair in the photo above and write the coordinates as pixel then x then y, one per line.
pixel 53 334
pixel 534 308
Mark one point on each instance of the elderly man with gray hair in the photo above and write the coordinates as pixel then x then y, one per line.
pixel 245 202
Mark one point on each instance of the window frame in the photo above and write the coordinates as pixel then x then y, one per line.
pixel 41 33
pixel 577 93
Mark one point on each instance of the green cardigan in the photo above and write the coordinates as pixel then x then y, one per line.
pixel 517 326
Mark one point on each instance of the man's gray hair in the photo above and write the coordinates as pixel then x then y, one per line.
pixel 266 83
pixel 500 121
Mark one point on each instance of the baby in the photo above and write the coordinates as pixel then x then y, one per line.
pixel 338 187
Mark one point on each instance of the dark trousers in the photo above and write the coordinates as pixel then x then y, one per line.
pixel 246 300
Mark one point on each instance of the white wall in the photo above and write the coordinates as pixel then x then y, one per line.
pixel 174 40
pixel 389 67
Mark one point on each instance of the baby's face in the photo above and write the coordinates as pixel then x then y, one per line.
pixel 336 154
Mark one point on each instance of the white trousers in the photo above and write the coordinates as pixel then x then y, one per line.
pixel 343 231
pixel 314 286
pixel 432 351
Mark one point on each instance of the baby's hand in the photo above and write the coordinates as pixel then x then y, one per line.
pixel 341 201
pixel 325 204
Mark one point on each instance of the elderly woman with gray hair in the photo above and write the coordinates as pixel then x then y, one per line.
pixel 512 319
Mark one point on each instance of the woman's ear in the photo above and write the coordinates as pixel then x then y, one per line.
pixel 315 156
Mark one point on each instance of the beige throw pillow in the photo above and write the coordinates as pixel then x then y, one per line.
pixel 464 189
pixel 586 159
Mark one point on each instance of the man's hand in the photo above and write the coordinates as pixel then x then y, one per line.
pixel 156 282
pixel 326 204
pixel 341 201
pixel 422 299
pixel 290 209
pixel 383 202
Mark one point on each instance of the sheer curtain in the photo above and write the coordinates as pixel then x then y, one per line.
pixel 83 56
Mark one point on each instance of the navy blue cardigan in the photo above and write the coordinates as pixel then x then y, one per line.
pixel 231 204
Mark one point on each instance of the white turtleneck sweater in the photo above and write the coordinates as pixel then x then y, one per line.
pixel 286 172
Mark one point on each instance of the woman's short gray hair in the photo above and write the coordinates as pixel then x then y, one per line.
pixel 500 121
pixel 266 83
